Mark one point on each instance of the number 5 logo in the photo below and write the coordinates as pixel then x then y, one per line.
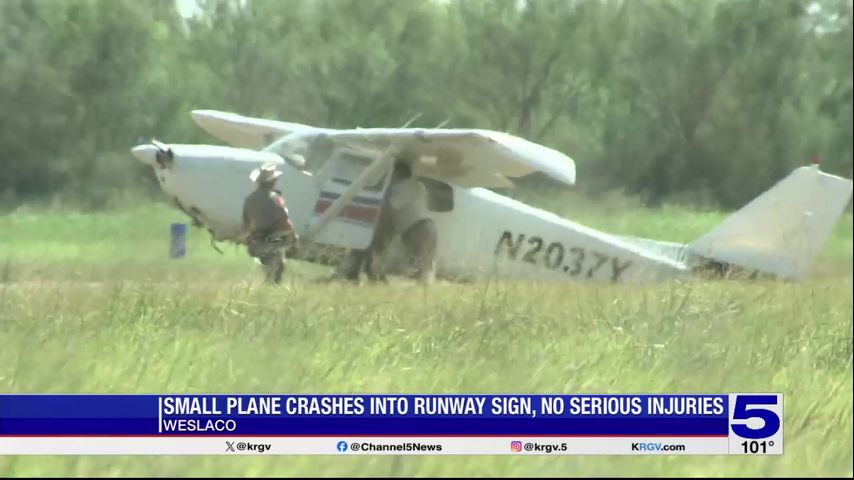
pixel 750 406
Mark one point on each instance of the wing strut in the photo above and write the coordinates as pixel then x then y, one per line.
pixel 381 164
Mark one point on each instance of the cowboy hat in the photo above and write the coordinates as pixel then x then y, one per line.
pixel 265 173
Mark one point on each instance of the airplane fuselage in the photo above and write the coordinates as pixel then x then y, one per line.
pixel 481 233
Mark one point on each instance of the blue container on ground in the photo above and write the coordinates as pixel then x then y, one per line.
pixel 179 240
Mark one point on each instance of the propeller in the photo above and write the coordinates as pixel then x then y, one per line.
pixel 165 156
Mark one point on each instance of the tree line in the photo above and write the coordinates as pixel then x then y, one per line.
pixel 671 100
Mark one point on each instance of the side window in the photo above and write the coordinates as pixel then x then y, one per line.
pixel 318 152
pixel 440 195
pixel 348 166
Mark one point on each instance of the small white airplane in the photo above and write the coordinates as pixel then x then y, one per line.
pixel 334 182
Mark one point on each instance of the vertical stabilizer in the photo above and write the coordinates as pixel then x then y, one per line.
pixel 780 231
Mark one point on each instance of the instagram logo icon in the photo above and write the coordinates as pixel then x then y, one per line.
pixel 516 446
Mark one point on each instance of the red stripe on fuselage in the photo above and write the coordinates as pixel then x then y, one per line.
pixel 352 212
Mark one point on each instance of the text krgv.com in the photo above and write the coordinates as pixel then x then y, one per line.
pixel 395 447
pixel 657 447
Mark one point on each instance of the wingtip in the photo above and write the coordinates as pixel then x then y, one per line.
pixel 567 174
pixel 202 114
pixel 199 116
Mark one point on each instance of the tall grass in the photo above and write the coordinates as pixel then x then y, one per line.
pixel 74 319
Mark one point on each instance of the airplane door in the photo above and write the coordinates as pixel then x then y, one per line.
pixel 353 227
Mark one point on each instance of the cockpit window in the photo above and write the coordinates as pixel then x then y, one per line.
pixel 321 158
pixel 348 167
pixel 316 150
pixel 440 195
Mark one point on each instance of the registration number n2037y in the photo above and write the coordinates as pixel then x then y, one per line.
pixel 573 261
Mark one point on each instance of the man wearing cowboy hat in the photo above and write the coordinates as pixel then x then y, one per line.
pixel 266 223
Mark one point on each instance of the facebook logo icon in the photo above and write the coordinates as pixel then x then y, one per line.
pixel 342 446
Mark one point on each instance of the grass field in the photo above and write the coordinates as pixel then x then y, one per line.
pixel 91 303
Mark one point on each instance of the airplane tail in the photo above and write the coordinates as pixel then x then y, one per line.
pixel 781 230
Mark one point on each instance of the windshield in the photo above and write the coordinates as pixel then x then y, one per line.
pixel 316 150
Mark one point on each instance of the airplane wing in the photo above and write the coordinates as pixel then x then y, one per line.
pixel 468 158
pixel 244 132
pixel 465 157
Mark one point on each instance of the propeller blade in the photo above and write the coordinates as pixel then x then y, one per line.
pixel 165 155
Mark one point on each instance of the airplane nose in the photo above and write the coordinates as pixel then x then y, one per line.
pixel 156 154
pixel 145 153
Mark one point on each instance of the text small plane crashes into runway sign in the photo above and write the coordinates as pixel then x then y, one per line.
pixel 334 182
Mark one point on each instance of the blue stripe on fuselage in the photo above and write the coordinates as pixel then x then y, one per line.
pixel 362 200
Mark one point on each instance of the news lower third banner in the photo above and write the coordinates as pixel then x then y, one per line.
pixel 741 423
